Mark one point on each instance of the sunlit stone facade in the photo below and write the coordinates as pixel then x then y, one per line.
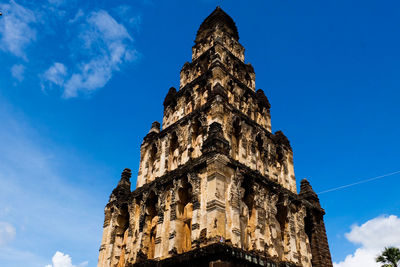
pixel 215 186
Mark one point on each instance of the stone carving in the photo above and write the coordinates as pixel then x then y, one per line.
pixel 214 178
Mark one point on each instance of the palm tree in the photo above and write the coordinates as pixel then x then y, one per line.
pixel 390 257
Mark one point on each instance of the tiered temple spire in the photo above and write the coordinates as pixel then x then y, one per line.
pixel 215 185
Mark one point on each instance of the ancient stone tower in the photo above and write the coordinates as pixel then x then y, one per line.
pixel 215 186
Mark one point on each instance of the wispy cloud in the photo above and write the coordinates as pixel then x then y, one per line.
pixel 38 195
pixel 105 44
pixel 17 29
pixel 373 236
pixel 77 16
pixel 7 233
pixel 56 74
pixel 64 260
pixel 126 14
pixel 17 71
pixel 109 45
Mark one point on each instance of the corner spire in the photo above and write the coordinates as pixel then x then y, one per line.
pixel 218 18
pixel 122 191
pixel 307 192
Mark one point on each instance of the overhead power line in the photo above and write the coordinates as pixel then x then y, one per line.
pixel 359 182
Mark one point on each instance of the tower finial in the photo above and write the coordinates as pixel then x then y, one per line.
pixel 125 178
pixel 217 18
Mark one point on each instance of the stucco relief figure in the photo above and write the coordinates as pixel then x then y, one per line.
pixel 173 158
pixel 153 235
pixel 244 219
pixel 189 107
pixel 235 147
pixel 204 97
pixel 197 146
pixel 197 139
pixel 151 163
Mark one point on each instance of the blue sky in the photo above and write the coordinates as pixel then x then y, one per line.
pixel 82 81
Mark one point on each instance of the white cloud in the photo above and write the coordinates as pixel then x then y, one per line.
pixel 16 29
pixel 108 45
pixel 107 27
pixel 105 44
pixel 7 233
pixel 78 15
pixel 17 71
pixel 107 39
pixel 56 73
pixel 63 260
pixel 373 236
pixel 377 233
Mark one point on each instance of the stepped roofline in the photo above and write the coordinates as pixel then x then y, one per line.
pixel 214 178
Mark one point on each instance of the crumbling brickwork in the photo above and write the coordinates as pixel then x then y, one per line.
pixel 215 178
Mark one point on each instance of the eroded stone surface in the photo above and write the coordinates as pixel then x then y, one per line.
pixel 215 173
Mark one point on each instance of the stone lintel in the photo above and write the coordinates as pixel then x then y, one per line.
pixel 217 176
pixel 215 204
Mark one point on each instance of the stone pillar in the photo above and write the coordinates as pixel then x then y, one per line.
pixel 173 224
pixel 216 181
pixel 234 205
pixel 195 181
pixel 216 187
pixel 160 223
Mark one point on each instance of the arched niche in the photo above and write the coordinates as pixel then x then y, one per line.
pixel 151 220
pixel 283 221
pixel 259 144
pixel 173 154
pixel 184 215
pixel 247 213
pixel 308 226
pixel 188 101
pixel 236 138
pixel 121 233
pixel 152 162
pixel 196 138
